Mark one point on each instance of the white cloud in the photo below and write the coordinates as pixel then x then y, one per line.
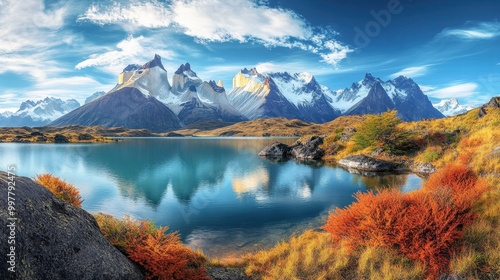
pixel 30 25
pixel 131 50
pixel 456 91
pixel 426 88
pixel 412 72
pixel 237 20
pixel 478 31
pixel 224 21
pixel 150 14
pixel 127 49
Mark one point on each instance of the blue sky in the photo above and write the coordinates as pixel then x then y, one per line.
pixel 70 49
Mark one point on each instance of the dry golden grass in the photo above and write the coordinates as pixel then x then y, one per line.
pixel 271 127
pixel 47 134
pixel 465 139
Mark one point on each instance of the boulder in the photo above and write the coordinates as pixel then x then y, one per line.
pixel 85 137
pixel 59 138
pixel 54 239
pixel 276 150
pixel 423 168
pixel 366 163
pixel 309 149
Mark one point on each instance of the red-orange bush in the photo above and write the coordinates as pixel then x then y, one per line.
pixel 60 189
pixel 424 225
pixel 162 255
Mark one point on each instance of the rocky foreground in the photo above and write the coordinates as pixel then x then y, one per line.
pixel 54 239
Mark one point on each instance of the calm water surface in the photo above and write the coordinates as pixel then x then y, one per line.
pixel 216 192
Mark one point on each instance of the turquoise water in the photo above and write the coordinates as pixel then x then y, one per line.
pixel 219 195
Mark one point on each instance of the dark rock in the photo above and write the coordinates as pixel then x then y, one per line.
pixel 309 149
pixel 276 150
pixel 481 113
pixel 56 240
pixel 366 163
pixel 493 103
pixel 41 138
pixel 174 134
pixel 59 138
pixel 226 273
pixel 36 133
pixel 85 137
pixel 423 168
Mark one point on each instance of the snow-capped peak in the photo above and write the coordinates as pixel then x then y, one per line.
pixel 451 107
pixel 185 69
pixel 306 77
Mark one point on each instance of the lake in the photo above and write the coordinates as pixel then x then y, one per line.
pixel 217 192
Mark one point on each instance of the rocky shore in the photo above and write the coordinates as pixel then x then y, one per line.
pixel 310 149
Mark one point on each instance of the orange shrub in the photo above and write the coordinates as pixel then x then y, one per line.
pixel 60 189
pixel 424 225
pixel 162 255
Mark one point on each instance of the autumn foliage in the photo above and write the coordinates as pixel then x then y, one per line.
pixel 424 226
pixel 162 255
pixel 60 189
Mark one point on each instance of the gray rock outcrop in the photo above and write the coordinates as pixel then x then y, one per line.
pixel 301 150
pixel 54 239
pixel 276 150
pixel 308 149
pixel 366 163
pixel 423 168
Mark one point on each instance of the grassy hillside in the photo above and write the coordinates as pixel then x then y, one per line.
pixel 74 134
pixel 451 226
pixel 268 127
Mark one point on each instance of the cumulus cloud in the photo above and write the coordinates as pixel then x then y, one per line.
pixel 475 31
pixel 412 72
pixel 454 91
pixel 225 21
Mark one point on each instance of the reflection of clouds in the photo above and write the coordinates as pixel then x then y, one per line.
pixel 252 182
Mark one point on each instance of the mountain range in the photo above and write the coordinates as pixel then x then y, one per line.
pixel 38 113
pixel 451 107
pixel 144 98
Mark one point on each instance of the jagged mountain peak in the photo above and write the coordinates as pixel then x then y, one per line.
pixel 183 67
pixel 132 67
pixel 251 71
pixel 216 87
pixel 153 63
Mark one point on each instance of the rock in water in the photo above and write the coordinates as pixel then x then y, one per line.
pixel 366 163
pixel 309 149
pixel 276 150
pixel 55 240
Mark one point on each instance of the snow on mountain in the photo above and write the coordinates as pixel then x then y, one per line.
pixel 38 113
pixel 299 96
pixel 451 107
pixel 347 98
pixel 132 103
pixel 404 94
